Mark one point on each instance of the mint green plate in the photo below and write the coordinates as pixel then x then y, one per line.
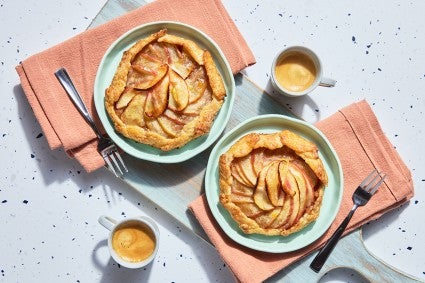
pixel 332 197
pixel 107 70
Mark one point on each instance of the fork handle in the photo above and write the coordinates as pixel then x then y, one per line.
pixel 324 253
pixel 68 85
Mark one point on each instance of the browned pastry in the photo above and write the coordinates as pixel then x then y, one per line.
pixel 272 184
pixel 166 91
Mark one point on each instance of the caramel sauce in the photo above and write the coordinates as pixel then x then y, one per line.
pixel 295 72
pixel 133 242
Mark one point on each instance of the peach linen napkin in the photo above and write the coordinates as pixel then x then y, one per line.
pixel 361 145
pixel 81 55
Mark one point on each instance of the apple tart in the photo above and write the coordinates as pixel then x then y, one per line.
pixel 165 92
pixel 272 184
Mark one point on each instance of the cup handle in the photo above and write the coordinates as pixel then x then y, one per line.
pixel 107 222
pixel 327 82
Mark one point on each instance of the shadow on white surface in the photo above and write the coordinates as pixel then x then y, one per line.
pixel 303 106
pixel 343 275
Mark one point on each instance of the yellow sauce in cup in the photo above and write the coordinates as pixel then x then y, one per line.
pixel 133 243
pixel 295 71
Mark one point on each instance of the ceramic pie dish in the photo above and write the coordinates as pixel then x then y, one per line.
pixel 166 144
pixel 268 124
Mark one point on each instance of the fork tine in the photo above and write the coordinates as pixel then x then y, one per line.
pixel 122 166
pixel 367 179
pixel 375 188
pixel 110 166
pixel 112 156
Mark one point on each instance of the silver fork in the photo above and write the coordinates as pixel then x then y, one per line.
pixel 361 196
pixel 105 146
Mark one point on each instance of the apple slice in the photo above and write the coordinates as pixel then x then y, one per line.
pixel 178 119
pixel 195 108
pixel 133 114
pixel 284 213
pixel 274 190
pixel 178 93
pixel 241 199
pixel 157 99
pixel 181 62
pixel 260 195
pixel 266 219
pixel 240 189
pixel 283 172
pixel 238 175
pixel 142 78
pixel 154 126
pixel 159 51
pixel 301 184
pixel 160 95
pixel 251 210
pixel 169 126
pixel 295 201
pixel 196 84
pixel 257 161
pixel 247 170
pixel 125 98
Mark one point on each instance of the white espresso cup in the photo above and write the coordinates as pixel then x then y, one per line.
pixel 132 242
pixel 297 71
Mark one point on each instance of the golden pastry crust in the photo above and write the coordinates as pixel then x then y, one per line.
pixel 165 92
pixel 272 184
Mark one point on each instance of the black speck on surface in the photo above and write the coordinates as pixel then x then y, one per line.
pixel 379 69
pixel 409 248
pixel 4 201
pixel 39 135
pixel 32 155
pixel 353 39
pixel 280 15
pixel 25 201
pixel 416 201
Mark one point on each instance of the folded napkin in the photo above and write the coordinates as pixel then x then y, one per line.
pixel 361 145
pixel 81 55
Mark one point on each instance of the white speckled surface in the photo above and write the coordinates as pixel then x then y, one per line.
pixel 49 206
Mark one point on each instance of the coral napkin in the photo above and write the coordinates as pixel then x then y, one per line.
pixel 361 146
pixel 61 123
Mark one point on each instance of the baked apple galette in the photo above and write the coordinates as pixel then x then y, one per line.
pixel 166 91
pixel 272 184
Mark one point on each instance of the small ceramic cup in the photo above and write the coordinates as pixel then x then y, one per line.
pixel 132 242
pixel 297 71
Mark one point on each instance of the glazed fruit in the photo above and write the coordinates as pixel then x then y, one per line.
pixel 165 92
pixel 272 184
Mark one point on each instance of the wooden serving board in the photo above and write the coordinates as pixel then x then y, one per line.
pixel 174 186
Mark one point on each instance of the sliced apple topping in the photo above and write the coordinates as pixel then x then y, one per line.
pixel 145 79
pixel 178 92
pixel 274 190
pixel 247 170
pixel 162 92
pixel 261 197
pixel 125 98
pixel 286 191
pixel 169 126
pixel 180 61
pixel 196 84
pixel 195 108
pixel 133 114
pixel 157 99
